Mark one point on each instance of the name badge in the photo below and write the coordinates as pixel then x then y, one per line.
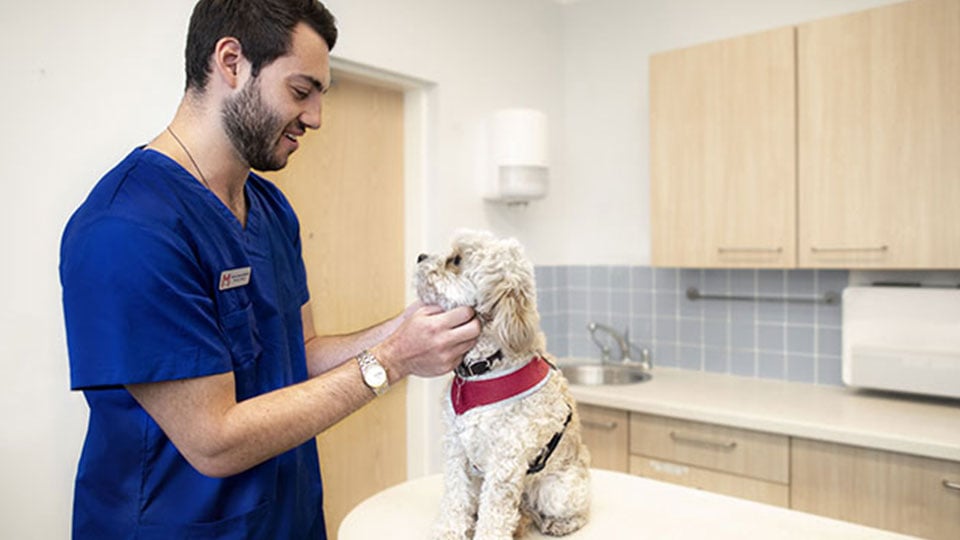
pixel 231 279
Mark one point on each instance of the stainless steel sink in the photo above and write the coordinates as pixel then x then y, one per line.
pixel 598 374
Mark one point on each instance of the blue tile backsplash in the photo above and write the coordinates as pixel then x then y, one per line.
pixel 772 340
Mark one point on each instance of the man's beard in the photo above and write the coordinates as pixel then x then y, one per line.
pixel 253 128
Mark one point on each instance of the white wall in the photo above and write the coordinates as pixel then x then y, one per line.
pixel 482 56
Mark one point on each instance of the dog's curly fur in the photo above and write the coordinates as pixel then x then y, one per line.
pixel 487 491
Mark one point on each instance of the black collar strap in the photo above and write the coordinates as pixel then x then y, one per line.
pixel 478 368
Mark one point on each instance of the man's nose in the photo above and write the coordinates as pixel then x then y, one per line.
pixel 313 117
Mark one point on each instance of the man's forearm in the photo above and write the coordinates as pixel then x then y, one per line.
pixel 221 437
pixel 327 352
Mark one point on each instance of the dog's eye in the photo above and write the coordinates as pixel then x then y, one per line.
pixel 455 260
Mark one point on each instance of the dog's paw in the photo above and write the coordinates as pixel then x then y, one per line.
pixel 562 526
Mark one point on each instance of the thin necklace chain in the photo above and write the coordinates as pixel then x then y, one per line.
pixel 189 155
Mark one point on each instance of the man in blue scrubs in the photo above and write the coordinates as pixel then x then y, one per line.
pixel 187 311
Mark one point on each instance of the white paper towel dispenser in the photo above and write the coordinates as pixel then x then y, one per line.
pixel 519 169
pixel 905 339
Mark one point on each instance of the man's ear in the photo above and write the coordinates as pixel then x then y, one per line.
pixel 227 57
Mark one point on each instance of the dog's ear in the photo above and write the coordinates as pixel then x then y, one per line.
pixel 509 297
pixel 515 320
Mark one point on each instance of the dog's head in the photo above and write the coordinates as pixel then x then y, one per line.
pixel 493 276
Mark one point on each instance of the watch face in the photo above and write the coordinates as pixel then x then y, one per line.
pixel 376 375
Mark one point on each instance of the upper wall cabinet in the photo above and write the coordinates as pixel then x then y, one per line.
pixel 723 153
pixel 835 144
pixel 879 138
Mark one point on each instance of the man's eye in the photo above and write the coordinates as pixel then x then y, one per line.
pixel 300 94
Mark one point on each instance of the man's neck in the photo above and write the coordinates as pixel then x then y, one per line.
pixel 195 139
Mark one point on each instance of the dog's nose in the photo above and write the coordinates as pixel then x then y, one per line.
pixel 422 257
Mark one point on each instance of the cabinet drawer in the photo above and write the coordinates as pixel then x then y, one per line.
pixel 604 431
pixel 731 450
pixel 897 492
pixel 714 481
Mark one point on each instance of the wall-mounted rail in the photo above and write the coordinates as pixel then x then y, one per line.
pixel 829 297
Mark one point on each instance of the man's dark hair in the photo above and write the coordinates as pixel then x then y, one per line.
pixel 263 27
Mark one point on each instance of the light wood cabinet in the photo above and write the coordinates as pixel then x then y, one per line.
pixel 713 481
pixel 743 463
pixel 906 494
pixel 886 490
pixel 604 432
pixel 723 153
pixel 835 144
pixel 879 138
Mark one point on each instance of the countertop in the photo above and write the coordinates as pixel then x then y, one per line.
pixel 894 422
pixel 623 507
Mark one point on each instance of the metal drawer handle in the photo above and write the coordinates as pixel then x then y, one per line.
pixel 815 249
pixel 724 249
pixel 607 426
pixel 681 438
pixel 951 485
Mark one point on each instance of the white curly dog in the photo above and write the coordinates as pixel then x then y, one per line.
pixel 513 448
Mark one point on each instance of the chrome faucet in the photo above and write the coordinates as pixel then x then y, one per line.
pixel 623 342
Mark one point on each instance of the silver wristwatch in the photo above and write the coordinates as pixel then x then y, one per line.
pixel 373 373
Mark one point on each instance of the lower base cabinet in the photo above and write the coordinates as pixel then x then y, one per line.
pixel 604 431
pixel 886 490
pixel 739 462
pixel 907 494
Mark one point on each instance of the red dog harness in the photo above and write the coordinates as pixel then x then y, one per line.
pixel 466 394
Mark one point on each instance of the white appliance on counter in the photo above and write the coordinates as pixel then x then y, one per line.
pixel 905 339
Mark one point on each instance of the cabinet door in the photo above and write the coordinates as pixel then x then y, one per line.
pixel 723 153
pixel 879 138
pixel 907 494
pixel 604 432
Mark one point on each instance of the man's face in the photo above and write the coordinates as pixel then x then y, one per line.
pixel 267 116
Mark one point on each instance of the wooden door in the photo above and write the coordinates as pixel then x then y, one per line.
pixel 723 153
pixel 879 138
pixel 346 184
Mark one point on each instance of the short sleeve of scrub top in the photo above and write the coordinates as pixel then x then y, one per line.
pixel 141 312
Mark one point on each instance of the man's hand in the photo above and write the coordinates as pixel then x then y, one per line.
pixel 429 342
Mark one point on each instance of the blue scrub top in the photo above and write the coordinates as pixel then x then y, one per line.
pixel 154 271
